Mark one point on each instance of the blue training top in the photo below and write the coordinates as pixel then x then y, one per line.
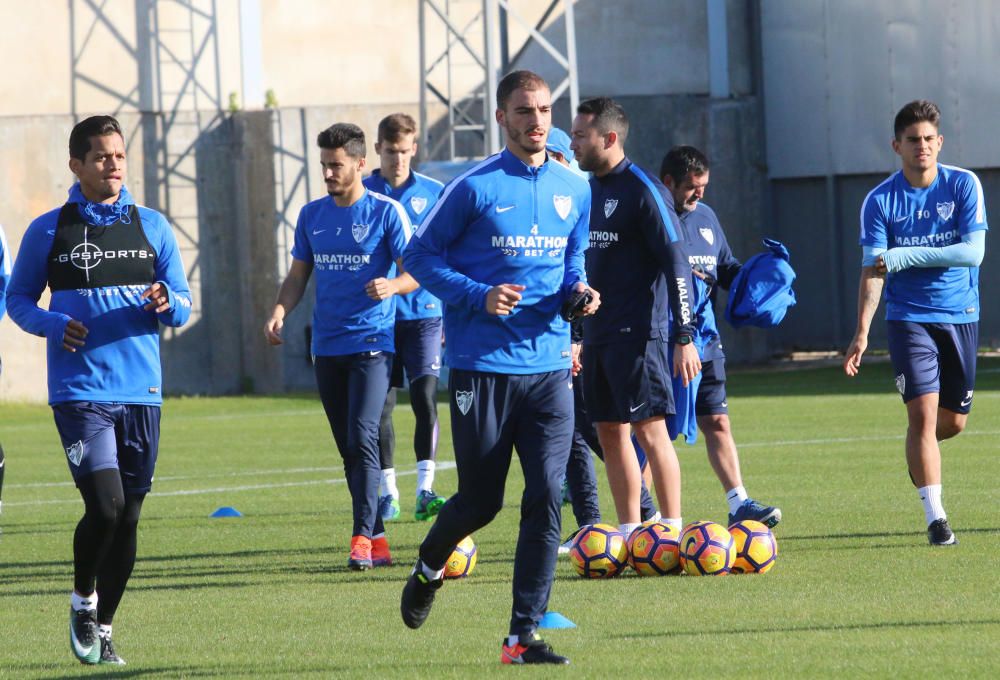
pixel 896 214
pixel 505 222
pixel 633 260
pixel 120 361
pixel 4 271
pixel 705 245
pixel 417 195
pixel 348 247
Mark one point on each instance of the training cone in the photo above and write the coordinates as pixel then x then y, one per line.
pixel 555 620
pixel 226 511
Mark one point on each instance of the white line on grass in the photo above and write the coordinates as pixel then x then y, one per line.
pixel 443 465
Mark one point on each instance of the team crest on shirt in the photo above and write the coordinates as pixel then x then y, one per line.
pixel 463 400
pixel 563 205
pixel 945 210
pixel 609 207
pixel 360 232
pixel 75 452
pixel 707 234
pixel 901 383
pixel 418 203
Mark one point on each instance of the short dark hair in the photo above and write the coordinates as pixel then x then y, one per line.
pixel 346 136
pixel 518 80
pixel 95 126
pixel 917 111
pixel 682 160
pixel 608 115
pixel 394 126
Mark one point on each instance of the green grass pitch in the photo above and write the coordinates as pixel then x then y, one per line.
pixel 856 592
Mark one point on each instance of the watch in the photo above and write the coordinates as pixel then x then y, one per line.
pixel 683 340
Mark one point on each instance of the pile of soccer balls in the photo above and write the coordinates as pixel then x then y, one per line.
pixel 657 549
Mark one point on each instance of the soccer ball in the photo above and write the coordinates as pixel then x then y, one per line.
pixel 654 549
pixel 462 560
pixel 756 548
pixel 598 551
pixel 707 549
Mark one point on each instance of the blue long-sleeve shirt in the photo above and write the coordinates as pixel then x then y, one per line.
pixel 120 360
pixel 4 271
pixel 505 222
pixel 417 195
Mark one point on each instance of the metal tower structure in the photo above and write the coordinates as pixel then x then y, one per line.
pixel 477 44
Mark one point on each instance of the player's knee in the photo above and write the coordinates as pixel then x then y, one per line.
pixel 717 424
pixel 949 428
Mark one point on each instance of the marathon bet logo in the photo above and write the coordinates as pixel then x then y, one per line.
pixel 360 232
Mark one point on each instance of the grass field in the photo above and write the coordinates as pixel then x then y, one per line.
pixel 856 592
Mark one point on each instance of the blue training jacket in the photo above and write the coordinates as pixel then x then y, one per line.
pixel 4 271
pixel 762 291
pixel 417 195
pixel 505 222
pixel 120 361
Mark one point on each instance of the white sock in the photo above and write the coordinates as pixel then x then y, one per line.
pixel 655 518
pixel 735 498
pixel 104 631
pixel 675 522
pixel 389 483
pixel 628 527
pixel 431 574
pixel 79 602
pixel 512 640
pixel 425 475
pixel 931 496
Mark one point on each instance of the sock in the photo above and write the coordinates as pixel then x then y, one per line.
pixel 79 602
pixel 512 640
pixel 375 537
pixel 104 631
pixel 389 483
pixel 675 522
pixel 735 498
pixel 628 527
pixel 431 574
pixel 655 518
pixel 931 496
pixel 425 475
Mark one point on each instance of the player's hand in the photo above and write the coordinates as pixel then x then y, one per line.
pixel 158 296
pixel 687 363
pixel 852 362
pixel 576 354
pixel 880 267
pixel 272 330
pixel 595 299
pixel 502 299
pixel 74 335
pixel 380 289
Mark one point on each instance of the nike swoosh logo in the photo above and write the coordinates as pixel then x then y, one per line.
pixel 435 367
pixel 503 209
pixel 316 232
pixel 633 409
pixel 900 219
pixel 966 402
pixel 725 404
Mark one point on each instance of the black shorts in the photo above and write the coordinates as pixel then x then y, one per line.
pixel 418 349
pixel 627 382
pixel 711 399
pixel 935 357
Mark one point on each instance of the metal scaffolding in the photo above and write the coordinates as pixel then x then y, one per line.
pixel 476 36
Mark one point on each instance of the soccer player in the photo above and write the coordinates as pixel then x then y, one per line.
pixel 685 173
pixel 503 249
pixel 351 239
pixel 418 324
pixel 923 233
pixel 634 262
pixel 115 274
pixel 4 277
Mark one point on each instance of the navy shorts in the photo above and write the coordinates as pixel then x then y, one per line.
pixel 418 349
pixel 935 357
pixel 711 399
pixel 627 382
pixel 102 436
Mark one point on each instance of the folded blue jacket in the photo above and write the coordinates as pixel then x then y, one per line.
pixel 762 292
